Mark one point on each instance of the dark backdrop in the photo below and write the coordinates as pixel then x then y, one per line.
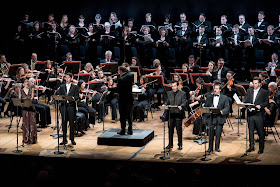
pixel 12 11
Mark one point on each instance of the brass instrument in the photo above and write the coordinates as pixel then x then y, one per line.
pixel 4 68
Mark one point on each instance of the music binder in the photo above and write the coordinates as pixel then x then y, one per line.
pixel 204 76
pixel 111 67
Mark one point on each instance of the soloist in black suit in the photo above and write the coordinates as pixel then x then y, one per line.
pixel 218 120
pixel 70 108
pixel 255 118
pixel 179 99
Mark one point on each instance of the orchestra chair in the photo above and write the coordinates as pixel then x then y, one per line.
pixel 117 54
pixel 134 51
pixel 260 64
pixel 99 54
pixel 273 125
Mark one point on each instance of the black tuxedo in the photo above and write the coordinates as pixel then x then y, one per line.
pixel 216 120
pixel 245 26
pixel 263 26
pixel 255 118
pixel 206 23
pixel 179 99
pixel 69 109
pixel 124 89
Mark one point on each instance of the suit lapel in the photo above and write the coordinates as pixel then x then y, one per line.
pixel 257 95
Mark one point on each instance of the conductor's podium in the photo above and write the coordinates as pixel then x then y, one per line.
pixel 138 139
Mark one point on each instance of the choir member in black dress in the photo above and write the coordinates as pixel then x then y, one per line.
pixel 162 46
pixel 108 38
pixel 72 40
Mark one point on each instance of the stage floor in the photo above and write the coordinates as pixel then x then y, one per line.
pixel 232 146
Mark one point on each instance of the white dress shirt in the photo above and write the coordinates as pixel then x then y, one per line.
pixel 255 94
pixel 68 86
pixel 216 101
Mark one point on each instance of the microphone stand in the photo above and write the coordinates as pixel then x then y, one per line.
pixel 164 157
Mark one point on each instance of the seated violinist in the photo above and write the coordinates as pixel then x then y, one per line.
pixel 110 98
pixel 264 80
pixel 196 95
pixel 85 96
pixel 44 119
pixel 100 76
pixel 229 88
pixel 142 101
pixel 89 69
pixel 20 75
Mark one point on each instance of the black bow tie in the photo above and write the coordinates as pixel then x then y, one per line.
pixel 216 95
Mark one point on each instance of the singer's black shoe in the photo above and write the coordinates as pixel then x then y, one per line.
pixel 180 147
pixel 129 132
pixel 209 151
pixel 218 150
pixel 250 149
pixel 169 147
pixel 63 142
pixel 73 142
pixel 121 132
pixel 260 151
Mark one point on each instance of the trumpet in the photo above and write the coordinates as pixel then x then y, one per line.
pixel 4 68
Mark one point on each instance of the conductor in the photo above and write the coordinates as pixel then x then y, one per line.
pixel 124 89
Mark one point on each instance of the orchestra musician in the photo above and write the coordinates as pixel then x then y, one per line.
pixel 110 98
pixel 220 101
pixel 157 88
pixel 44 110
pixel 176 97
pixel 229 88
pixel 211 71
pixel 259 97
pixel 28 114
pixel 85 95
pixel 222 70
pixel 68 111
pixel 193 68
pixel 142 101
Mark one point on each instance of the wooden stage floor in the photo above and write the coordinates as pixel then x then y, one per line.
pixel 232 146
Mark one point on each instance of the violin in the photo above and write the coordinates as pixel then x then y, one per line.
pixel 87 91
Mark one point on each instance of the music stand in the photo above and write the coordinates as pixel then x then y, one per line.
pixel 240 92
pixel 111 67
pixel 103 103
pixel 39 65
pixel 277 72
pixel 82 76
pixel 164 157
pixel 135 69
pixel 148 71
pixel 73 67
pixel 17 102
pixel 247 105
pixel 13 69
pixel 204 76
pixel 57 99
pixel 210 111
pixel 255 73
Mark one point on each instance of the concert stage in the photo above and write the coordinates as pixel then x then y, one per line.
pixel 87 156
